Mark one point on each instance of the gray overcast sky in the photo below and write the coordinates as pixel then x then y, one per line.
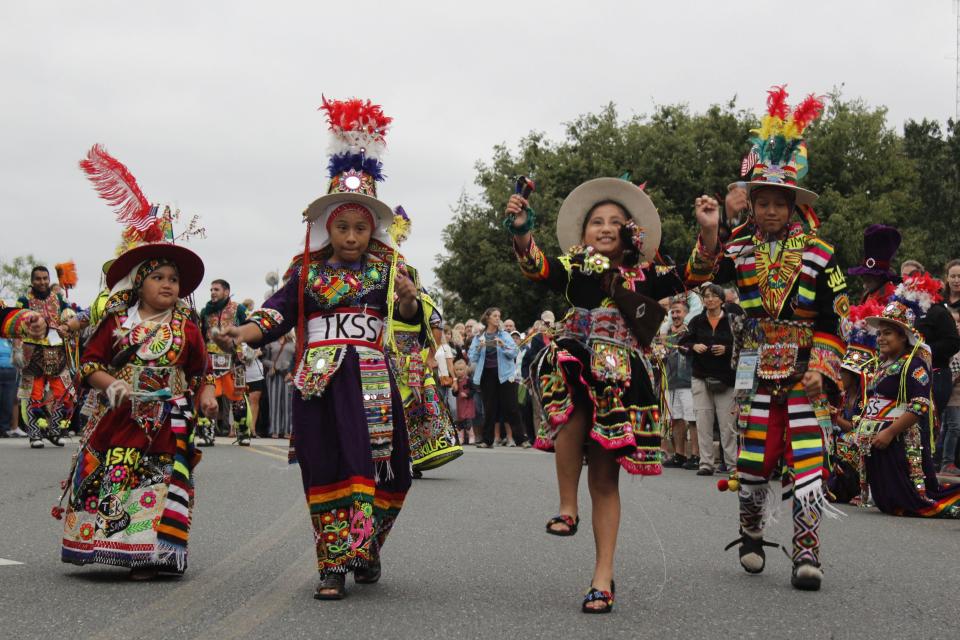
pixel 212 105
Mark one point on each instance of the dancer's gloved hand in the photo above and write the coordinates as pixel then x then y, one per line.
pixel 208 402
pixel 118 392
pixel 35 325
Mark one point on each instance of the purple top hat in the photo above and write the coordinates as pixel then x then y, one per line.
pixel 880 243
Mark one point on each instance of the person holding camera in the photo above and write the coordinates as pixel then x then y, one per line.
pixel 709 339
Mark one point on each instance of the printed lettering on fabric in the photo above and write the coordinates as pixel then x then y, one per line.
pixel 835 279
pixel 122 455
pixel 348 325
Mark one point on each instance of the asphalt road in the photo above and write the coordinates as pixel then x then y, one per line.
pixel 469 559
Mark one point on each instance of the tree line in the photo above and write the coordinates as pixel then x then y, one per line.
pixel 864 170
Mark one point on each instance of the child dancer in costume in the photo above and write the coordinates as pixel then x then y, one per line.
pixel 794 296
pixel 349 433
pixel 433 441
pixel 595 382
pixel 895 431
pixel 130 493
pixel 856 371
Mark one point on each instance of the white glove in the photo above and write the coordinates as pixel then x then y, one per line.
pixel 118 392
pixel 17 357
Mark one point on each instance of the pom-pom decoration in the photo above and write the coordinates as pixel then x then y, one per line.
pixel 400 228
pixel 57 512
pixel 919 292
pixel 67 274
pixel 115 184
pixel 723 484
pixel 358 127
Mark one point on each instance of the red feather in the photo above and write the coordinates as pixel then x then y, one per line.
pixel 777 102
pixel 355 115
pixel 863 311
pixel 925 283
pixel 807 111
pixel 115 184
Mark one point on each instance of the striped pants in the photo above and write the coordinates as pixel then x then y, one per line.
pixel 786 431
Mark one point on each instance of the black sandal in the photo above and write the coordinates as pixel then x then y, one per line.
pixel 336 582
pixel 369 574
pixel 595 595
pixel 565 520
pixel 750 545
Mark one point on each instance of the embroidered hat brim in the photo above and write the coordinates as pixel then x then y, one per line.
pixel 803 196
pixel 380 209
pixel 637 203
pixel 189 265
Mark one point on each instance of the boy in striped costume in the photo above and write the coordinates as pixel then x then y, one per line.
pixel 794 296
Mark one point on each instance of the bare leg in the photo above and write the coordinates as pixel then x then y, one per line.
pixel 254 400
pixel 603 481
pixel 569 460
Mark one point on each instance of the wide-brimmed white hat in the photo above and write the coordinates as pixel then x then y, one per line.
pixel 632 198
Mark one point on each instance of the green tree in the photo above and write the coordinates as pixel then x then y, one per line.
pixel 863 169
pixel 15 275
pixel 933 236
pixel 678 154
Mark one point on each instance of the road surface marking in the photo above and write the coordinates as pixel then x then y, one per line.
pixel 5 562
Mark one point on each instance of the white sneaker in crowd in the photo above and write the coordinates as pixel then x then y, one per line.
pixel 17 433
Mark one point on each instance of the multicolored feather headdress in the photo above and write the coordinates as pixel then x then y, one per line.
pixel 861 337
pixel 142 221
pixel 778 155
pixel 358 141
pixel 910 302
pixel 147 228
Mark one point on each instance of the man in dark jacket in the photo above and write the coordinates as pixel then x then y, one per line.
pixel 710 340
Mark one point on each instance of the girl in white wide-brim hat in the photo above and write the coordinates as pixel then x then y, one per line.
pixel 596 382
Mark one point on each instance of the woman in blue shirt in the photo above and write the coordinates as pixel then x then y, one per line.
pixel 494 354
